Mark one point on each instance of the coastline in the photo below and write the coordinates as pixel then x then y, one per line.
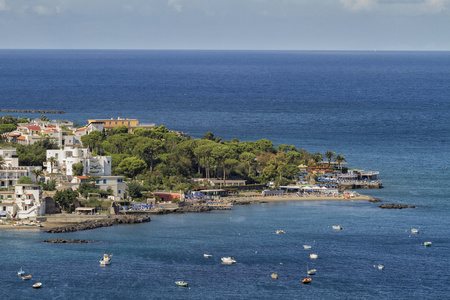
pixel 64 220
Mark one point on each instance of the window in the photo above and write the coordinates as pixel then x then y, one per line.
pixel 97 182
pixel 104 181
pixel 118 192
pixel 1 196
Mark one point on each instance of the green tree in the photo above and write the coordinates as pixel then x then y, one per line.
pixel 285 148
pixel 66 199
pixel 44 118
pixel 339 159
pixel 25 180
pixel 120 129
pixel 131 166
pixel 78 169
pixel 134 189
pixel 208 136
pixel 329 155
pixel 147 149
pixel 265 145
pixel 249 159
pixel 93 140
pixel 37 173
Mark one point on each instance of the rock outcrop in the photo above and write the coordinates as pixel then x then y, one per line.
pixel 395 206
pixel 99 223
pixel 67 241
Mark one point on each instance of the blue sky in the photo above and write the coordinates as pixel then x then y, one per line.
pixel 226 24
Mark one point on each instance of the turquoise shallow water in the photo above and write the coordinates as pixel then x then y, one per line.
pixel 384 111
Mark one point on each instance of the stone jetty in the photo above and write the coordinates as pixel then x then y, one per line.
pixel 67 241
pixel 32 111
pixel 395 206
pixel 92 224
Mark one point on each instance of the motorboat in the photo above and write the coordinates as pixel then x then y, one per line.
pixel 307 247
pixel 37 285
pixel 26 277
pixel 207 255
pixel 414 230
pixel 313 256
pixel 21 272
pixel 106 260
pixel 380 267
pixel 274 275
pixel 337 227
pixel 280 231
pixel 228 260
pixel 426 244
pixel 181 283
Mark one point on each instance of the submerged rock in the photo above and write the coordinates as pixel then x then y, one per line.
pixel 395 206
pixel 67 241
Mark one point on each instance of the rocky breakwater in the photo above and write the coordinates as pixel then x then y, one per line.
pixel 67 241
pixel 99 223
pixel 188 208
pixel 395 206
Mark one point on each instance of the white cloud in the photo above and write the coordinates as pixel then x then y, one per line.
pixel 46 11
pixel 436 6
pixel 3 5
pixel 359 5
pixel 175 4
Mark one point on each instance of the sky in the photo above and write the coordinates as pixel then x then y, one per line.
pixel 226 24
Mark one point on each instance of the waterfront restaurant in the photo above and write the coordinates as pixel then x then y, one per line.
pixel 214 192
pixel 85 210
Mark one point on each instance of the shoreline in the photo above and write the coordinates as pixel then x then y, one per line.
pixel 64 220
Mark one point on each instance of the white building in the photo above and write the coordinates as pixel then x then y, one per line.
pixel 10 172
pixel 28 198
pixel 8 207
pixel 115 183
pixel 65 158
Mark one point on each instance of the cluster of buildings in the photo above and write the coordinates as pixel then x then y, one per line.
pixel 26 200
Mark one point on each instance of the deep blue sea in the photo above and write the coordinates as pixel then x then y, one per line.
pixel 384 111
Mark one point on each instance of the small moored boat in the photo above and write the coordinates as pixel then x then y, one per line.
pixel 312 272
pixel 306 247
pixel 280 231
pixel 337 227
pixel 207 255
pixel 37 285
pixel 414 230
pixel 426 244
pixel 21 272
pixel 313 256
pixel 181 283
pixel 306 280
pixel 380 267
pixel 228 260
pixel 106 260
pixel 274 276
pixel 26 277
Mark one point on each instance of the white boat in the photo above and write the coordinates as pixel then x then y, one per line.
pixel 337 227
pixel 207 255
pixel 37 285
pixel 313 256
pixel 312 272
pixel 414 230
pixel 228 260
pixel 426 244
pixel 21 272
pixel 280 231
pixel 106 260
pixel 306 247
pixel 380 267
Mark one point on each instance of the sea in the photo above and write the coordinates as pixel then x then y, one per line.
pixel 384 111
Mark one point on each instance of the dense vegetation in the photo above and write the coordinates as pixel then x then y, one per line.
pixel 163 159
